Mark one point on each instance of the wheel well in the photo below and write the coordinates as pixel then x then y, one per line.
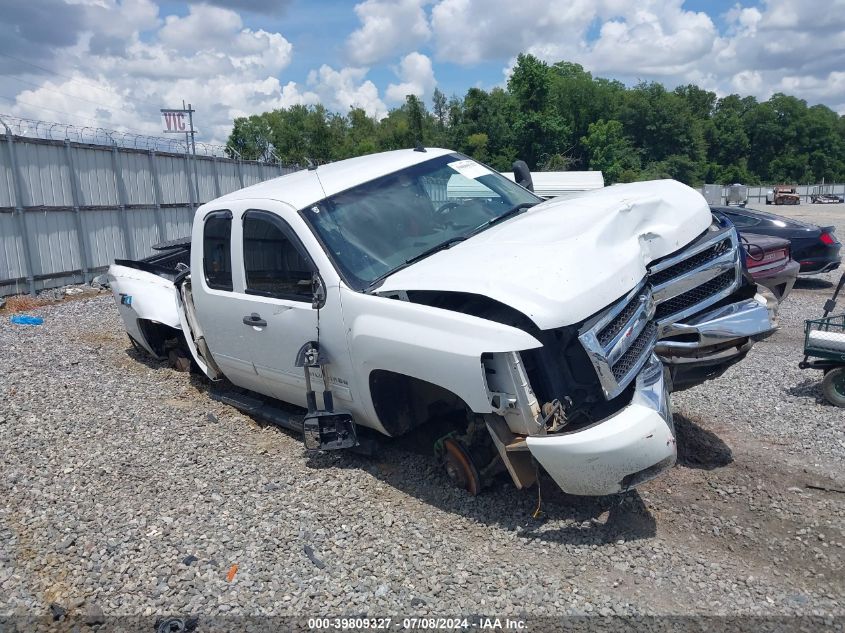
pixel 403 403
pixel 161 338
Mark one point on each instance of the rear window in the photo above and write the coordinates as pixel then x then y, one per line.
pixel 743 221
pixel 217 251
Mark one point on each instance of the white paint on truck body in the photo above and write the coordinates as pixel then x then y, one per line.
pixel 152 298
pixel 438 346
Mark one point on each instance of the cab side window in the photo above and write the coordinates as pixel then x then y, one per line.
pixel 217 251
pixel 275 264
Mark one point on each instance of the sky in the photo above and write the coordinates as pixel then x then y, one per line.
pixel 115 63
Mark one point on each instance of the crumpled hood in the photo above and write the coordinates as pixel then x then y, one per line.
pixel 564 260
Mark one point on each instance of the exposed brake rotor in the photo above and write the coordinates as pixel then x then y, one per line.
pixel 459 466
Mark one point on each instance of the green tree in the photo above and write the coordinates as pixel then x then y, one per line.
pixel 477 144
pixel 529 83
pixel 661 124
pixel 539 131
pixel 610 151
pixel 250 139
pixel 559 117
pixel 440 107
pixel 416 117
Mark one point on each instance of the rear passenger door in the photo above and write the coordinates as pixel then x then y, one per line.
pixel 278 317
pixel 217 297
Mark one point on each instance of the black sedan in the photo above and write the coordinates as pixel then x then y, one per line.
pixel 815 248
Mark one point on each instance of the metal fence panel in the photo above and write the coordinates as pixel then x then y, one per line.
pixel 144 231
pixel 228 174
pixel 205 176
pixel 105 239
pixel 173 178
pixel 11 250
pixel 137 177
pixel 178 222
pixel 84 205
pixel 44 175
pixel 7 187
pixel 97 185
pixel 56 246
pixel 252 173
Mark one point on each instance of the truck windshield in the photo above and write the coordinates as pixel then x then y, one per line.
pixel 376 228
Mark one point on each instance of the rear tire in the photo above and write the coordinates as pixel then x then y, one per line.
pixel 833 386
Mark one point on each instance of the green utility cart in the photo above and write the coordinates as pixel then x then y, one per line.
pixel 824 343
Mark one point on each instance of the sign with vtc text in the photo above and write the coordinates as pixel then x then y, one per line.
pixel 176 121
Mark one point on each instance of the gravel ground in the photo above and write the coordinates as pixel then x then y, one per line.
pixel 127 491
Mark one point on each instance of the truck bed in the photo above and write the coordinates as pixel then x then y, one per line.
pixel 145 294
pixel 165 262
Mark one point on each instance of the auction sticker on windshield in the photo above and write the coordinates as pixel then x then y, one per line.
pixel 469 169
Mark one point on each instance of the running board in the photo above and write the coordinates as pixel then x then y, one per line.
pixel 260 408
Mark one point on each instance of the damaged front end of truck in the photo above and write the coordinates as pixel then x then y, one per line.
pixel 590 403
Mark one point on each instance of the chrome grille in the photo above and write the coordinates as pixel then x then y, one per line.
pixel 640 348
pixel 690 264
pixel 607 333
pixel 696 296
pixel 700 275
pixel 620 340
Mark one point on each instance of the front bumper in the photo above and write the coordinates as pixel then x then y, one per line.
pixel 706 345
pixel 632 446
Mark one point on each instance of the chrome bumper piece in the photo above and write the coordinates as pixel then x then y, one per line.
pixel 736 321
pixel 706 345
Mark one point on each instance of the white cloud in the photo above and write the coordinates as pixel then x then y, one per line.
pixel 202 29
pixel 206 57
pixel 470 31
pixel 747 81
pixel 656 41
pixel 416 78
pixel 341 90
pixel 760 49
pixel 116 62
pixel 387 27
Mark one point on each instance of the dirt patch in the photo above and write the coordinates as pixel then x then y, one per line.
pixel 16 304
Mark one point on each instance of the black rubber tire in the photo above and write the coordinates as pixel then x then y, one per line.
pixel 833 386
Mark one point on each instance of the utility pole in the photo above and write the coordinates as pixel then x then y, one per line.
pixel 174 121
pixel 193 147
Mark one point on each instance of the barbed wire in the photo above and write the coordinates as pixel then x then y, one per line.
pixel 50 130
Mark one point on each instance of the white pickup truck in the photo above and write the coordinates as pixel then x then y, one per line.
pixel 532 332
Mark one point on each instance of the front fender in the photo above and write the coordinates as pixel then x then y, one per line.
pixel 435 345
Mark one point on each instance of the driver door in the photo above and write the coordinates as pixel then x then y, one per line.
pixel 278 317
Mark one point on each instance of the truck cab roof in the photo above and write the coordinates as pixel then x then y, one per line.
pixel 307 186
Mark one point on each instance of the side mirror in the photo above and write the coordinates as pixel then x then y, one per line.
pixel 522 175
pixel 318 290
